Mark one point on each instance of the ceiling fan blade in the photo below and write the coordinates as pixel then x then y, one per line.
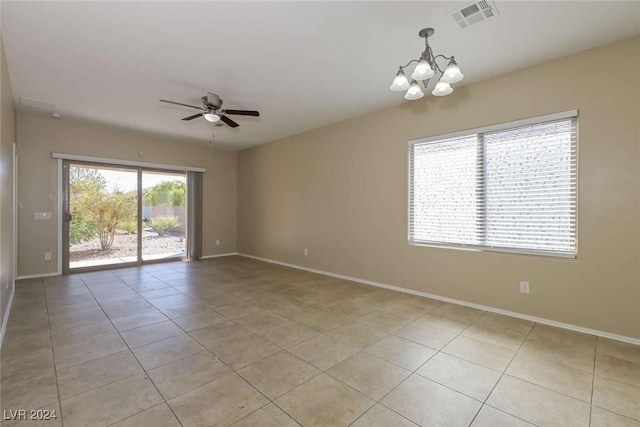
pixel 178 103
pixel 228 121
pixel 195 116
pixel 243 112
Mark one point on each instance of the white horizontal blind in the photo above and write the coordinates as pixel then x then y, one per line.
pixel 512 189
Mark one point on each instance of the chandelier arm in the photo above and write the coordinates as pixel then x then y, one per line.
pixel 436 66
pixel 409 63
pixel 445 57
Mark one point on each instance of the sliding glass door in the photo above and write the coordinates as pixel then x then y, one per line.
pixel 117 216
pixel 164 215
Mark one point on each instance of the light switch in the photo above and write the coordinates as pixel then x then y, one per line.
pixel 42 215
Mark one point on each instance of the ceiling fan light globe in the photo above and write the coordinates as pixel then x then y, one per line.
pixel 211 117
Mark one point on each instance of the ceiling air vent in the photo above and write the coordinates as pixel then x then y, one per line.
pixel 474 12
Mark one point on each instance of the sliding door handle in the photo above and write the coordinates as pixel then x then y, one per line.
pixel 68 217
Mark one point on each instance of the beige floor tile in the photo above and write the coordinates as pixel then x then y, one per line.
pixel 30 394
pixel 218 403
pixel 111 403
pixel 444 321
pixel 16 330
pixel 165 351
pixel 407 310
pixel 158 416
pixel 621 370
pixel 181 310
pixel 23 345
pixel 512 323
pixel 619 349
pixel 288 334
pixel 461 313
pixel 485 354
pixel 426 335
pixel 427 403
pixel 74 354
pixel 72 319
pixel 558 353
pixel 151 333
pixel 603 418
pixel 565 380
pixel 267 416
pixel 350 310
pixel 323 352
pixel 466 377
pixel 499 331
pixel 383 321
pixel 180 376
pixel 492 417
pixel 319 320
pixel 379 416
pixel 138 320
pixel 200 320
pixel 24 368
pixel 357 334
pixel 538 405
pixel 82 333
pixel 324 401
pixel 237 309
pixel 278 374
pixel 86 376
pixel 369 375
pixel 617 397
pixel 399 351
pixel 245 351
pixel 127 310
pixel 261 320
pixel 322 301
pixel 88 305
pixel 576 340
pixel 220 333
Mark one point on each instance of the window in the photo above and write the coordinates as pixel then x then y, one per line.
pixel 509 187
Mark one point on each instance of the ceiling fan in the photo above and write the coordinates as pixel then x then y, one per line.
pixel 212 110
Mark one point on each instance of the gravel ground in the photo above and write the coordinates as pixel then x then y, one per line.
pixel 125 245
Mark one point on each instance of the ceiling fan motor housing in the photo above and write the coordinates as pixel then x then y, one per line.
pixel 212 100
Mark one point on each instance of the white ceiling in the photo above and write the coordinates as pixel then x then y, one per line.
pixel 302 64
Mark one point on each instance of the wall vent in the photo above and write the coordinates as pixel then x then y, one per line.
pixel 475 12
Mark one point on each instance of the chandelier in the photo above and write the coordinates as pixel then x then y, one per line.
pixel 425 69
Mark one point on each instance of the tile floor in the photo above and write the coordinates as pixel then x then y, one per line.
pixel 234 341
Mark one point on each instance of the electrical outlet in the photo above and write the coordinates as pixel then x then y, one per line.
pixel 217 242
pixel 47 256
pixel 306 251
pixel 524 287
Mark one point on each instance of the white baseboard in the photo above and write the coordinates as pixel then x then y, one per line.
pixel 218 255
pixel 5 319
pixel 536 319
pixel 37 276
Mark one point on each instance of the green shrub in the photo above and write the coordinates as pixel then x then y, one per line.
pixel 130 227
pixel 163 223
pixel 82 229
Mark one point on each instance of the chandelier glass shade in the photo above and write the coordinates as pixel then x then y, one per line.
pixel 426 68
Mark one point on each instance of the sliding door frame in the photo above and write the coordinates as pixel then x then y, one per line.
pixel 66 215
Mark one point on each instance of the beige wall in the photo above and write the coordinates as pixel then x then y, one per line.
pixel 39 135
pixel 7 138
pixel 341 192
